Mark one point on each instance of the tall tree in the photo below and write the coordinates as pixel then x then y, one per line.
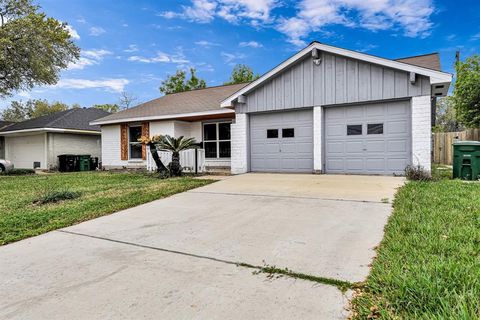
pixel 109 107
pixel 19 111
pixel 467 91
pixel 178 83
pixel 126 100
pixel 34 48
pixel 242 73
pixel 446 117
pixel 16 112
pixel 38 108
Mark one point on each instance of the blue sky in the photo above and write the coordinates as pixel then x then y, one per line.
pixel 133 45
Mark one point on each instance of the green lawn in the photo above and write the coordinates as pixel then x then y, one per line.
pixel 100 193
pixel 428 264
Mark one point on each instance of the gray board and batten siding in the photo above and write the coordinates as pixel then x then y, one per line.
pixel 337 80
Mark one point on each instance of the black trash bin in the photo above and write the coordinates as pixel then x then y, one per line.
pixel 93 163
pixel 67 163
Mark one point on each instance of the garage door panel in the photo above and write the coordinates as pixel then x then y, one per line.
pixel 375 111
pixel 354 146
pixel 335 164
pixel 335 147
pixel 397 109
pixel 338 113
pixel 375 164
pixel 375 146
pixel 400 126
pixel 375 153
pixel 396 165
pixel 354 164
pixel 353 112
pixel 397 146
pixel 287 154
pixel 335 130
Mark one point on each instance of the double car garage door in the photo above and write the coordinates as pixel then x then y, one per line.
pixel 366 139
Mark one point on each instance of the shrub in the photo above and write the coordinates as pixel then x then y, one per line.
pixel 53 196
pixel 18 172
pixel 417 173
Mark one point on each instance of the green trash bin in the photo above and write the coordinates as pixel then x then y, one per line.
pixel 466 160
pixel 84 162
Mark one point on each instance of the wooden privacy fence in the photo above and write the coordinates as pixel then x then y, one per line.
pixel 442 144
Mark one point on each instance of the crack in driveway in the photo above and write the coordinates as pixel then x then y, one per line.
pixel 267 269
pixel 287 197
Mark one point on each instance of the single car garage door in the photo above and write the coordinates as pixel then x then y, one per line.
pixel 368 139
pixel 282 141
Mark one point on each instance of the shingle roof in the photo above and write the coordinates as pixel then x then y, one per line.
pixel 199 100
pixel 74 119
pixel 3 124
pixel 430 61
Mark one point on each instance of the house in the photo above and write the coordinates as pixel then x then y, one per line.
pixel 325 109
pixel 194 114
pixel 38 142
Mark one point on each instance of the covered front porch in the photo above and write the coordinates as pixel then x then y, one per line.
pixel 211 131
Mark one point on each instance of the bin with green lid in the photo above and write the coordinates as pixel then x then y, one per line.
pixel 84 162
pixel 466 160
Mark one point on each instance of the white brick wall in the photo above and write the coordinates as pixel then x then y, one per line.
pixel 240 143
pixel 317 139
pixel 421 131
pixel 67 143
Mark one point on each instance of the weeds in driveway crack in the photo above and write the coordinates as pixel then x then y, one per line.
pixel 274 272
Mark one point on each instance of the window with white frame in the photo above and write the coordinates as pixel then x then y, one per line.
pixel 216 140
pixel 134 148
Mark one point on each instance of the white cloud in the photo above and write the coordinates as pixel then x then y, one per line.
pixel 204 11
pixel 366 48
pixel 161 57
pixel 82 63
pixel 131 48
pixel 73 33
pixel 89 58
pixel 97 31
pixel 96 53
pixel 412 16
pixel 232 58
pixel 116 85
pixel 252 44
pixel 81 20
pixel 204 43
pixel 475 37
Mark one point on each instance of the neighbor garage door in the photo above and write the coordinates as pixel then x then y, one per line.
pixel 282 141
pixel 368 139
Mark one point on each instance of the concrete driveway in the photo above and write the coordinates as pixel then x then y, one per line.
pixel 176 258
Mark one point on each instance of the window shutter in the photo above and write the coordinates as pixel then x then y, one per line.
pixel 124 141
pixel 145 133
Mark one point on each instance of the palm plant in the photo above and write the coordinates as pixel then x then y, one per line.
pixel 175 145
pixel 152 143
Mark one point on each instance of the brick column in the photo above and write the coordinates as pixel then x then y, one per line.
pixel 240 144
pixel 317 140
pixel 421 132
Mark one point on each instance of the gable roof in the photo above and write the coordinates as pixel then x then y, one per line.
pixel 442 79
pixel 72 119
pixel 177 104
pixel 429 60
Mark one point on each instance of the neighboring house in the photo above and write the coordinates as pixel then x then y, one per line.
pixel 325 109
pixel 3 124
pixel 38 142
